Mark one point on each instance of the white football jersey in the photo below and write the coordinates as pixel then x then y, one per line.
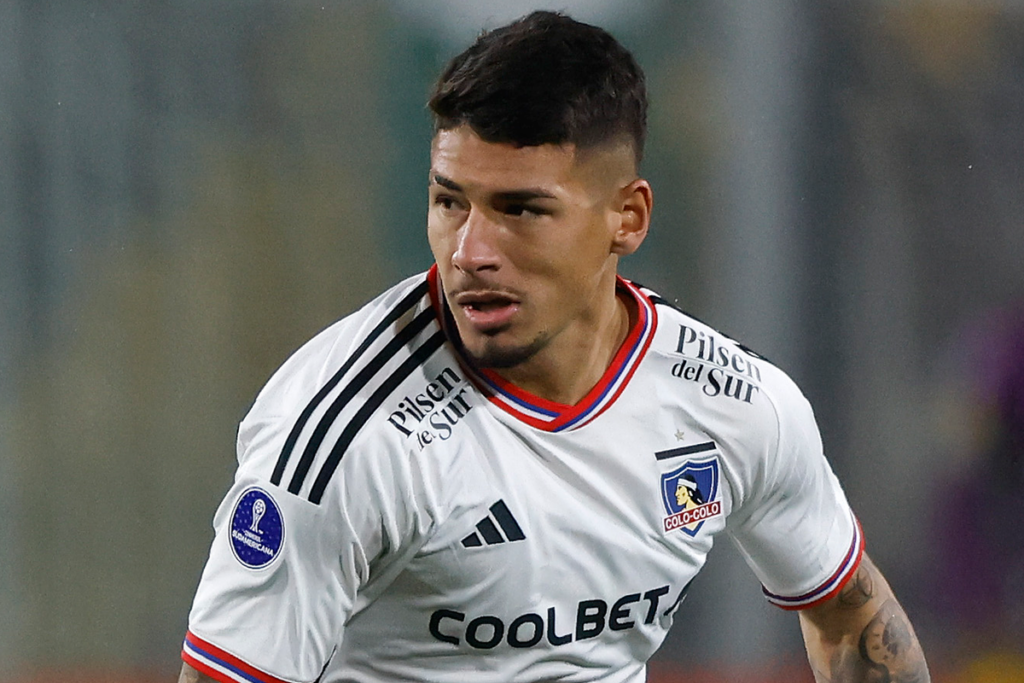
pixel 398 516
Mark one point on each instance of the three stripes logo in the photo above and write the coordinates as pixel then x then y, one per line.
pixel 487 529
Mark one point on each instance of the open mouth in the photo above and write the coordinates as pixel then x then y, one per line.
pixel 485 306
pixel 487 312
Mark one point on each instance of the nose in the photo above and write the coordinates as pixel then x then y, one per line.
pixel 475 249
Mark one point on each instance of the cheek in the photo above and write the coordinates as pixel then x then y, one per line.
pixel 578 259
pixel 439 242
pixel 569 281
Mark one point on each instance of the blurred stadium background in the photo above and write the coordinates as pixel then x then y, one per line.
pixel 190 189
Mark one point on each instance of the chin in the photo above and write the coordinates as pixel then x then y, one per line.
pixel 497 356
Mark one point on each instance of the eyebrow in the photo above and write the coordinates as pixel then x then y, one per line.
pixel 523 195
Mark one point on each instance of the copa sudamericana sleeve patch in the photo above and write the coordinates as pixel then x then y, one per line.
pixel 257 529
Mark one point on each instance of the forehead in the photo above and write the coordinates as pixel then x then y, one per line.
pixel 463 156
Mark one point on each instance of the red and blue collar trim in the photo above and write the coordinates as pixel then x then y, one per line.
pixel 548 415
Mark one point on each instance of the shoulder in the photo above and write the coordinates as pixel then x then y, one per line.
pixel 338 376
pixel 351 340
pixel 720 378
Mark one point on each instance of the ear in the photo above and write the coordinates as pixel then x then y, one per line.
pixel 636 202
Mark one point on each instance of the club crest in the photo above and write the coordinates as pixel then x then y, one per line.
pixel 690 495
pixel 257 529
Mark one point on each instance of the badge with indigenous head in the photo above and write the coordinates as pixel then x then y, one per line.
pixel 690 495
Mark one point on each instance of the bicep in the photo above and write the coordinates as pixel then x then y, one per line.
pixel 305 576
pixel 275 560
pixel 795 528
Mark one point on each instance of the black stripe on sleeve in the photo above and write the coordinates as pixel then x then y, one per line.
pixel 407 302
pixel 508 523
pixel 372 404
pixel 685 450
pixel 351 389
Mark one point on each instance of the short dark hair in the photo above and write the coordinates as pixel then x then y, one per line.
pixel 544 78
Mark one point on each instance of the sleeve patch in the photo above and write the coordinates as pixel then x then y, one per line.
pixel 257 529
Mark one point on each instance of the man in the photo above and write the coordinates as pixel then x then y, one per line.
pixel 476 476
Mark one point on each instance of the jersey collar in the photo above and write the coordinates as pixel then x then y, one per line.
pixel 539 412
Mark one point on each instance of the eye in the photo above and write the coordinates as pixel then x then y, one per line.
pixel 446 202
pixel 519 210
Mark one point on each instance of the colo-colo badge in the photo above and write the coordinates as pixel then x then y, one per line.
pixel 690 495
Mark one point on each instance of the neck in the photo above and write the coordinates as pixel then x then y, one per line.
pixel 567 371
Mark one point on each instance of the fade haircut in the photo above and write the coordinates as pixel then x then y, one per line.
pixel 545 79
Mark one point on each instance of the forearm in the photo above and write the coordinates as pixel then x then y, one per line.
pixel 863 635
pixel 190 675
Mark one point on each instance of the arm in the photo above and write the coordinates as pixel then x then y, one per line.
pixel 862 635
pixel 190 675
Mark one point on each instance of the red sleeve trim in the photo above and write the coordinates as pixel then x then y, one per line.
pixel 220 665
pixel 831 586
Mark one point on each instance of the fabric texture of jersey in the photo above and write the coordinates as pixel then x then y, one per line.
pixel 397 515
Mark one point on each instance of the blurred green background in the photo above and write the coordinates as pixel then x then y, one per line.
pixel 190 189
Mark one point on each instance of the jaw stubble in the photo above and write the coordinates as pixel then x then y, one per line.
pixel 496 357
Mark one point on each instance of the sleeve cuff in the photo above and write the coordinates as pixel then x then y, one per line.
pixel 832 585
pixel 220 665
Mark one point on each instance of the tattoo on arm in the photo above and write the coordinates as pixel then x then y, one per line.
pixel 888 651
pixel 858 590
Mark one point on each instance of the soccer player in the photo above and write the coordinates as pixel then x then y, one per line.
pixel 510 467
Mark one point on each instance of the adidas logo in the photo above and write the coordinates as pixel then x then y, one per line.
pixel 487 528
